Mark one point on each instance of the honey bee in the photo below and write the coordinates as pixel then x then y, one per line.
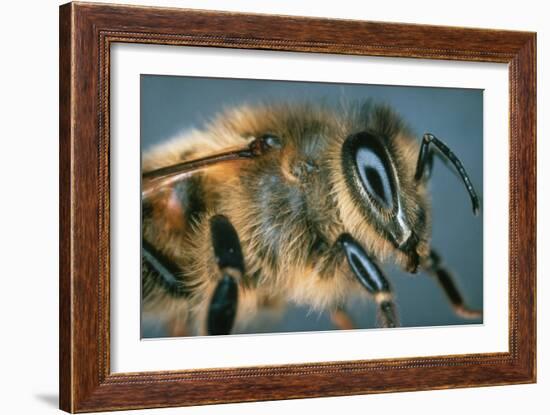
pixel 288 203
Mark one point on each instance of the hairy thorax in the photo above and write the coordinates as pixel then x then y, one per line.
pixel 288 224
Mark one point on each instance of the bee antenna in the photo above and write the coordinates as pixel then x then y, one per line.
pixel 424 160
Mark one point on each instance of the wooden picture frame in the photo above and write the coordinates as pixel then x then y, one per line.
pixel 86 33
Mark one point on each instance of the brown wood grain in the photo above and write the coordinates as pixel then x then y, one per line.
pixel 86 33
pixel 65 244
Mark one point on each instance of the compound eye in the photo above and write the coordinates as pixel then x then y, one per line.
pixel 372 167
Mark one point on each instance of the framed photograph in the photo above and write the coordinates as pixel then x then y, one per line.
pixel 260 207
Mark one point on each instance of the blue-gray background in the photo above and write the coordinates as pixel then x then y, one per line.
pixel 172 104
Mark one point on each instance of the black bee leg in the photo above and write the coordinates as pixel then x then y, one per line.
pixel 425 161
pixel 230 261
pixel 160 271
pixel 446 281
pixel 161 277
pixel 371 277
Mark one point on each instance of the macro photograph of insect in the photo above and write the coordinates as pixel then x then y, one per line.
pixel 284 206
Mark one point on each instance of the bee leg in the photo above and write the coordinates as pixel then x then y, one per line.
pixel 425 161
pixel 371 277
pixel 162 281
pixel 160 271
pixel 341 318
pixel 447 283
pixel 230 261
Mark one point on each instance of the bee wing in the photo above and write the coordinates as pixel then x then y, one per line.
pixel 156 179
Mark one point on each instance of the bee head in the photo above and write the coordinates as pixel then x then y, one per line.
pixel 379 193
